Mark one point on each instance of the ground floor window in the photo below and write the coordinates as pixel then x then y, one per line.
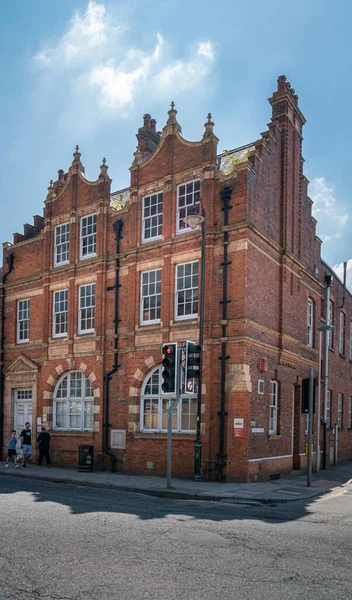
pixel 154 408
pixel 274 387
pixel 73 402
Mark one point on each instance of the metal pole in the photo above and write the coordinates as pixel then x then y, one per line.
pixel 317 461
pixel 326 361
pixel 169 418
pixel 197 476
pixel 310 426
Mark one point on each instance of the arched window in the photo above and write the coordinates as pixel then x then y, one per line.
pixel 154 408
pixel 73 402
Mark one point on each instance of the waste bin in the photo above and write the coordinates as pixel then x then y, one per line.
pixel 85 458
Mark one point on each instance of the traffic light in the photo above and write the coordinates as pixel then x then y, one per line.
pixel 192 365
pixel 169 371
pixel 305 395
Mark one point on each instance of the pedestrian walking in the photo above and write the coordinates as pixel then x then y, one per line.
pixel 26 441
pixel 11 449
pixel 43 440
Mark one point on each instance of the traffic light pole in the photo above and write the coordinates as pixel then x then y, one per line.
pixel 169 417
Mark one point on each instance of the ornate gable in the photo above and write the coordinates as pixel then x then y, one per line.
pixel 22 365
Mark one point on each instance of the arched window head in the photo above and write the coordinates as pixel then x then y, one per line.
pixel 154 408
pixel 73 402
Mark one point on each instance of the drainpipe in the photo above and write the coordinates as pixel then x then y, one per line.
pixel 10 261
pixel 221 458
pixel 328 281
pixel 117 226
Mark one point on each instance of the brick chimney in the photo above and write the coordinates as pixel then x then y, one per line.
pixel 147 136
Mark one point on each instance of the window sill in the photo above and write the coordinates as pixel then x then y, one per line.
pixel 163 436
pixel 150 324
pixel 70 432
pixel 186 320
pixel 88 256
pixel 274 436
pixel 22 342
pixel 342 355
pixel 331 349
pixel 84 334
pixel 63 264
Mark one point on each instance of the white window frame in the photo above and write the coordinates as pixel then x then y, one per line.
pixel 143 297
pixel 310 320
pixel 330 322
pixel 88 235
pixel 161 401
pixel 342 333
pixel 57 299
pixel 349 416
pixel 328 409
pixel 261 385
pixel 66 236
pixel 193 315
pixel 273 407
pixel 83 308
pixel 66 400
pixel 20 310
pixel 148 220
pixel 339 410
pixel 181 226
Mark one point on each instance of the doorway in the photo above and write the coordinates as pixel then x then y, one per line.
pixel 23 411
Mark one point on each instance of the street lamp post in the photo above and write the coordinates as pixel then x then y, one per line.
pixel 194 220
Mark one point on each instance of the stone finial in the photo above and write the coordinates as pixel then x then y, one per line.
pixel 172 114
pixel 209 125
pixel 137 157
pixel 76 156
pixel 103 169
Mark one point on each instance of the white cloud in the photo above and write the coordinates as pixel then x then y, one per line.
pixel 339 272
pixel 117 84
pixel 185 75
pixel 325 205
pixel 206 49
pixel 106 71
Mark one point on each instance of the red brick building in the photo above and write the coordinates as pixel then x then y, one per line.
pixel 93 289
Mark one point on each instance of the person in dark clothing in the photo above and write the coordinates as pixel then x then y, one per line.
pixel 43 440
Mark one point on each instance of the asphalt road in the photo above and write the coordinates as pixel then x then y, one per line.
pixel 69 543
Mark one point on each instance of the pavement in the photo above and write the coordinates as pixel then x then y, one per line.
pixel 288 489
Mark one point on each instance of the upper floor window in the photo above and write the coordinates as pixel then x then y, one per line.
pixel 154 408
pixel 23 315
pixel 73 402
pixel 339 409
pixel 342 333
pixel 86 312
pixel 330 322
pixel 60 313
pixel 150 296
pixel 274 389
pixel 61 245
pixel 88 236
pixel 186 297
pixel 310 323
pixel 188 197
pixel 152 223
pixel 349 421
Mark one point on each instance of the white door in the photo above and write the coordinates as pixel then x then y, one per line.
pixel 23 411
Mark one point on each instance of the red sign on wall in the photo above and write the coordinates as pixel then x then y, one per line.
pixel 238 428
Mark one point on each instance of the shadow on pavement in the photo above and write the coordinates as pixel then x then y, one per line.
pixel 84 500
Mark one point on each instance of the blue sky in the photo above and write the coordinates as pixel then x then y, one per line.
pixel 79 72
